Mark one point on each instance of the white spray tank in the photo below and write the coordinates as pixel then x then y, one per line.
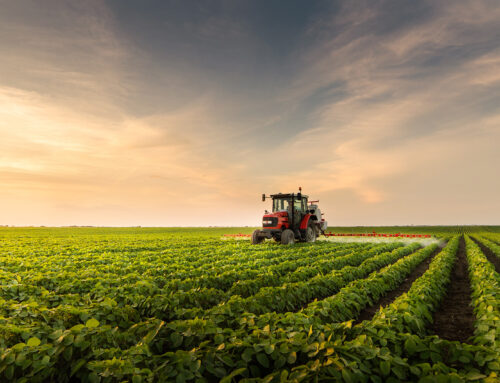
pixel 316 212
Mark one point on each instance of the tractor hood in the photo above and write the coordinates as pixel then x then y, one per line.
pixel 276 220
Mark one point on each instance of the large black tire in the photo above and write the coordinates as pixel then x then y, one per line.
pixel 311 232
pixel 287 237
pixel 256 238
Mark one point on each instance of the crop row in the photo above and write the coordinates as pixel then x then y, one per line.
pixel 227 279
pixel 493 246
pixel 164 306
pixel 66 315
pixel 289 297
pixel 393 346
pixel 268 331
pixel 492 237
pixel 292 338
pixel 412 312
pixel 382 346
pixel 19 283
pixel 347 303
pixel 485 283
pixel 58 269
pixel 128 282
pixel 311 350
pixel 295 324
pixel 34 317
pixel 107 338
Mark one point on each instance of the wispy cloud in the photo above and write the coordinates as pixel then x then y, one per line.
pixel 420 98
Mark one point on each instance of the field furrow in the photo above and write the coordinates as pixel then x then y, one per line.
pixel 454 319
pixel 368 312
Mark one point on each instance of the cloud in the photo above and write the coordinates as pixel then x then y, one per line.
pixel 382 111
pixel 67 138
pixel 399 114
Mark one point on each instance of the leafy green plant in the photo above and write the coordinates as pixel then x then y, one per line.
pixel 147 304
pixel 485 282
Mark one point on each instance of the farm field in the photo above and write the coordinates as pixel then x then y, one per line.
pixel 188 305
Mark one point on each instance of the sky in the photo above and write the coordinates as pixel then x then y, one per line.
pixel 182 113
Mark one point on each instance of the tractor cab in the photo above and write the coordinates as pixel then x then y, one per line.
pixel 294 205
pixel 283 202
pixel 291 219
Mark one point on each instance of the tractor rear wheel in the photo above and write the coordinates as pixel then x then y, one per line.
pixel 287 237
pixel 256 238
pixel 310 232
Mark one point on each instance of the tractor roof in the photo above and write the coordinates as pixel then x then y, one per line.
pixel 287 195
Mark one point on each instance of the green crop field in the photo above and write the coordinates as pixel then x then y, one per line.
pixel 189 305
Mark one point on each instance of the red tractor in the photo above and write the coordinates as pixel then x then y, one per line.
pixel 292 219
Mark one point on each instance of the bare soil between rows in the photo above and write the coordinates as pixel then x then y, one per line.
pixel 489 254
pixel 368 312
pixel 454 319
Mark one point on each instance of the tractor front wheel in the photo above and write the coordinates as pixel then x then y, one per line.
pixel 256 237
pixel 287 237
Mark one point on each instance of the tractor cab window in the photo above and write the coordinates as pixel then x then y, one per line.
pixel 301 204
pixel 280 204
pixel 298 204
